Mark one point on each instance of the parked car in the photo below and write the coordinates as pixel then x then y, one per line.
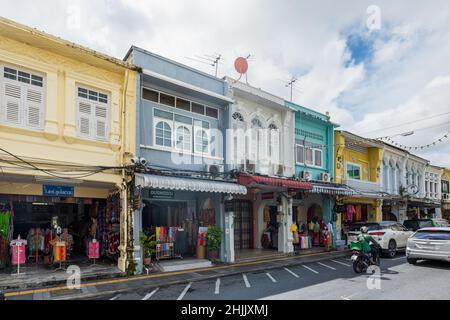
pixel 392 236
pixel 429 243
pixel 416 224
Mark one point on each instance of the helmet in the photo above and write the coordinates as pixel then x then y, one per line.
pixel 364 229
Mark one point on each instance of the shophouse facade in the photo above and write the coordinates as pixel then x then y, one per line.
pixel 182 117
pixel 314 162
pixel 445 193
pixel 358 163
pixel 66 112
pixel 260 154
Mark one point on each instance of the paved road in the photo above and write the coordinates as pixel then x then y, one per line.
pixel 328 279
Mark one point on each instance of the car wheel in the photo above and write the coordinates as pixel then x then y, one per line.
pixel 411 260
pixel 392 249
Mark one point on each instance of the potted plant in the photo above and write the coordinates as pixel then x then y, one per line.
pixel 148 244
pixel 213 241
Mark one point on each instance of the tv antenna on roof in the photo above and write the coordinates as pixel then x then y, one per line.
pixel 212 60
pixel 292 84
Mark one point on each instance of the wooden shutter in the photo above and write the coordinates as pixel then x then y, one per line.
pixel 12 102
pixel 34 108
pixel 84 118
pixel 101 117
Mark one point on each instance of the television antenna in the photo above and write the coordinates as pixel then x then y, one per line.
pixel 212 60
pixel 292 84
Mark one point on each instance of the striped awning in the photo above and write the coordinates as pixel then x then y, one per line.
pixel 254 180
pixel 188 184
pixel 333 190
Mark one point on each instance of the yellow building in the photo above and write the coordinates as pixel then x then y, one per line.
pixel 357 164
pixel 66 112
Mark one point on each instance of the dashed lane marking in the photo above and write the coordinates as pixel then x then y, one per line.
pixel 310 269
pixel 292 272
pixel 344 264
pixel 247 284
pixel 325 265
pixel 115 297
pixel 270 277
pixel 216 291
pixel 184 291
pixel 149 295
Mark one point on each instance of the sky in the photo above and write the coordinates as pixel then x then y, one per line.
pixel 380 68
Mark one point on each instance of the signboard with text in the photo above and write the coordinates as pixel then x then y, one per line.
pixel 57 191
pixel 161 194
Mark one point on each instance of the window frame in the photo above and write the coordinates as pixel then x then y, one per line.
pixel 313 147
pixel 166 121
pixel 23 103
pixel 93 118
pixel 355 165
pixel 206 132
pixel 183 150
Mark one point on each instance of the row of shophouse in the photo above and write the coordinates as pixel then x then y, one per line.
pixel 114 147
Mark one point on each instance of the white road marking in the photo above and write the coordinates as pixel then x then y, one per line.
pixel 217 286
pixel 399 258
pixel 347 297
pixel 344 264
pixel 115 297
pixel 270 277
pixel 184 291
pixel 149 295
pixel 247 284
pixel 291 272
pixel 325 265
pixel 309 268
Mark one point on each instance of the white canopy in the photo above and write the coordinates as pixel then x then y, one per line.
pixel 188 184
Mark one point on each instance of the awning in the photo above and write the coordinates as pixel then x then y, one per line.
pixel 188 184
pixel 333 190
pixel 252 180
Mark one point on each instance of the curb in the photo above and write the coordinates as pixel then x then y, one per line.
pixel 289 262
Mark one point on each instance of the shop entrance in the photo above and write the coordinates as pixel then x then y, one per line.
pixel 269 238
pixel 59 231
pixel 173 226
pixel 243 225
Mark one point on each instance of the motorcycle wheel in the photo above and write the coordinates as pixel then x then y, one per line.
pixel 358 266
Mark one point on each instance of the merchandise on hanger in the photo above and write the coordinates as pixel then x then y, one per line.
pixel 18 248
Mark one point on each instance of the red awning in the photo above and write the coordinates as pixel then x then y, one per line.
pixel 248 180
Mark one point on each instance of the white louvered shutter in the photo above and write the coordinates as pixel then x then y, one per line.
pixel 84 118
pixel 34 108
pixel 12 94
pixel 275 141
pixel 101 117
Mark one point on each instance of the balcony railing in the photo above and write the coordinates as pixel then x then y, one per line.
pixel 363 186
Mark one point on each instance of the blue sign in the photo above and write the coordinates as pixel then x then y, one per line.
pixel 57 191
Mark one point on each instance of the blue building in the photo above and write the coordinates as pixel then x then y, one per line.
pixel 182 117
pixel 314 162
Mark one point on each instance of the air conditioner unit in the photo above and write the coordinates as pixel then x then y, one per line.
pixel 214 169
pixel 306 175
pixel 325 176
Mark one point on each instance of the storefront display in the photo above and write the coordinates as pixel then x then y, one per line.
pixel 5 233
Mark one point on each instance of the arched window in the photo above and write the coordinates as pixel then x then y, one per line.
pixel 256 123
pixel 201 142
pixel 274 143
pixel 183 139
pixel 399 178
pixel 163 134
pixel 256 144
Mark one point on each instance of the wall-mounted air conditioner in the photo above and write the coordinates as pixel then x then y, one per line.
pixel 325 176
pixel 306 175
pixel 214 169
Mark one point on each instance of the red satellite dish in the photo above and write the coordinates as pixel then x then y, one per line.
pixel 241 65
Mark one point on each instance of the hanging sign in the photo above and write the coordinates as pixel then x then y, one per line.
pixel 267 195
pixel 57 191
pixel 161 194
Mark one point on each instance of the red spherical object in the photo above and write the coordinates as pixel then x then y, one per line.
pixel 241 65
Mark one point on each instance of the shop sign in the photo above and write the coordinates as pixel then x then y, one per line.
pixel 229 206
pixel 57 191
pixel 161 194
pixel 267 195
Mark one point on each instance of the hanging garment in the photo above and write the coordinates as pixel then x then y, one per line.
pixel 296 239
pixel 294 228
pixel 18 248
pixel 158 229
pixel 350 212
pixel 358 213
pixel 4 254
pixel 94 249
pixel 59 251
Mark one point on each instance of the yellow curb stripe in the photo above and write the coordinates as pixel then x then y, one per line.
pixel 90 284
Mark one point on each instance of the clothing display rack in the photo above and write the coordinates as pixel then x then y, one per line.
pixel 166 246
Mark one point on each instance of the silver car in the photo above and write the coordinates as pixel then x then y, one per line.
pixel 429 244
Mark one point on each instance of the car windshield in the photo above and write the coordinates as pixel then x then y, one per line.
pixel 425 223
pixel 441 223
pixel 432 235
pixel 370 226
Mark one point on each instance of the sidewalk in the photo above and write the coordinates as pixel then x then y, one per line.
pixel 94 289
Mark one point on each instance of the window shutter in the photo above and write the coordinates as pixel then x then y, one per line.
pixel 84 118
pixel 34 108
pixel 12 97
pixel 100 121
pixel 275 142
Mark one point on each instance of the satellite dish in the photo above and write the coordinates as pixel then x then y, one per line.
pixel 241 65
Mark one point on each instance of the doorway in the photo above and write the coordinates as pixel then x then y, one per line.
pixel 243 224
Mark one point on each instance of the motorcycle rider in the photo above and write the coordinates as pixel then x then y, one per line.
pixel 366 239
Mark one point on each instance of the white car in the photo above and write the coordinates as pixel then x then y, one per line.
pixel 429 244
pixel 390 235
